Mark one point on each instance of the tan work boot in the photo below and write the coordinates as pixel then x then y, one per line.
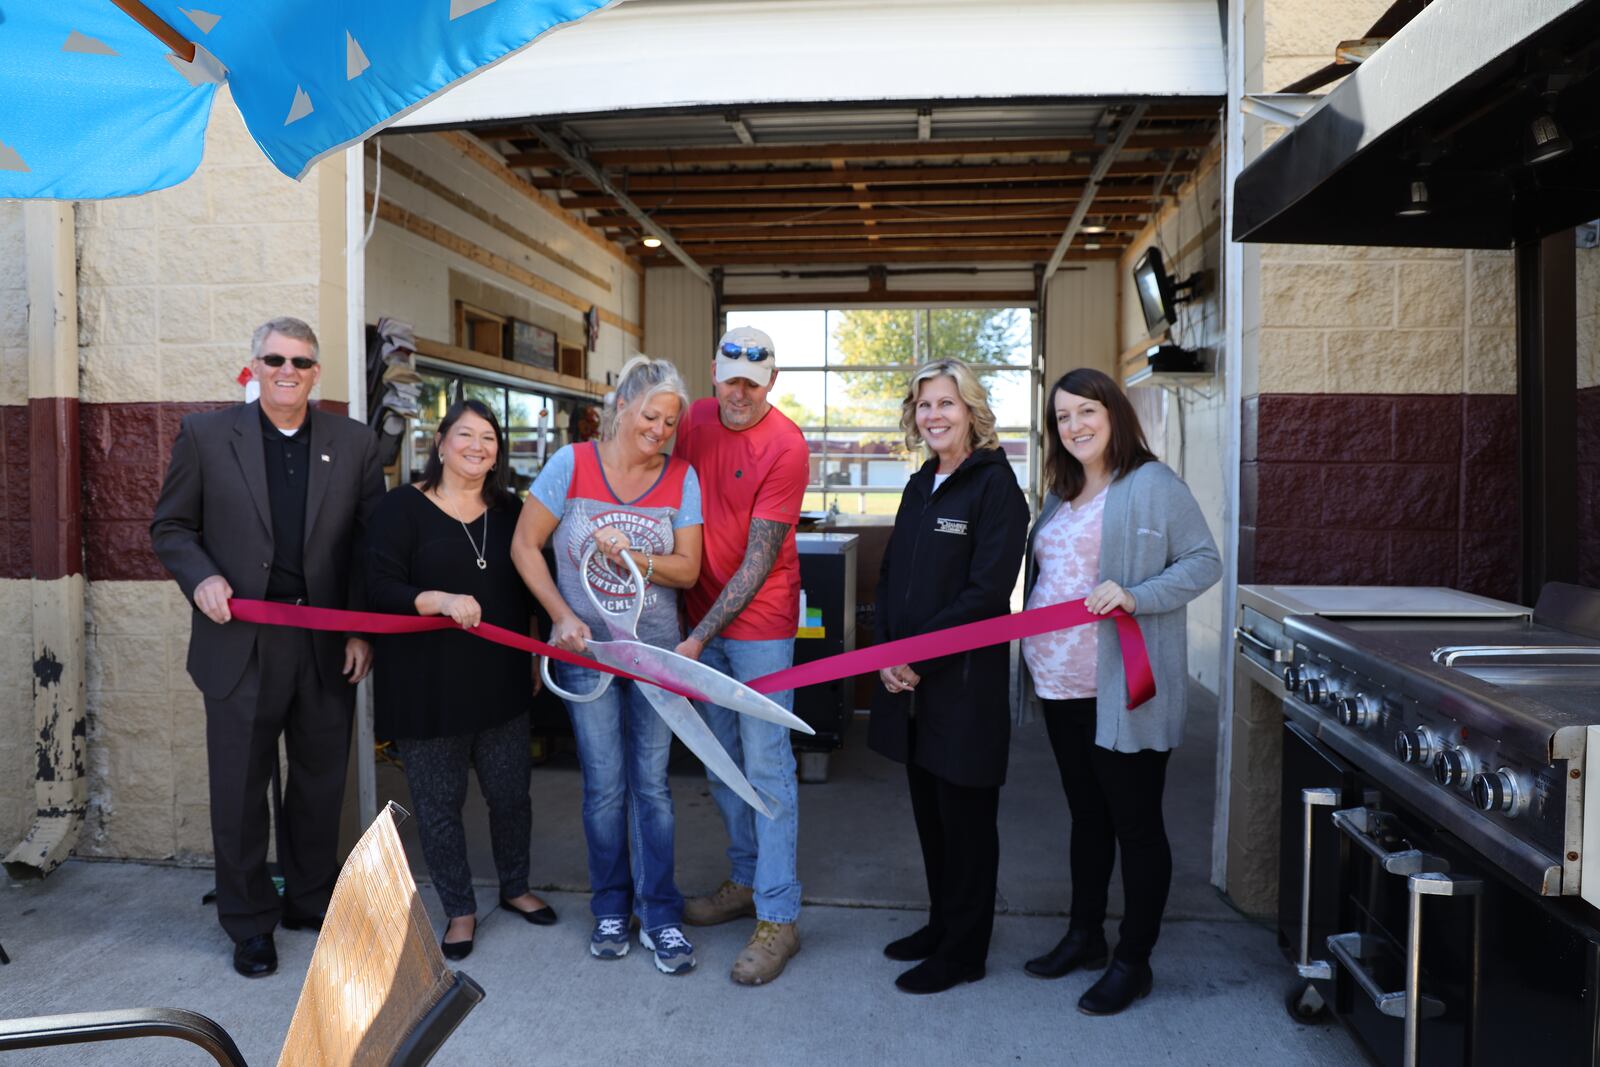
pixel 730 901
pixel 770 947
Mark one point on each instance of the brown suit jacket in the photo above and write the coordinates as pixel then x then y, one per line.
pixel 214 517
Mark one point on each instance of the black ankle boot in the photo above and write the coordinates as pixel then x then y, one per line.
pixel 1121 985
pixel 918 945
pixel 1080 948
pixel 935 976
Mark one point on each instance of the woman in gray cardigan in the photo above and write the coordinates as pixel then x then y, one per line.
pixel 1121 530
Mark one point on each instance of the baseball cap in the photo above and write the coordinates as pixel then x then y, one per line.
pixel 746 352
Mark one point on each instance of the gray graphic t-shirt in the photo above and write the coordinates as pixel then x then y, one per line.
pixel 573 487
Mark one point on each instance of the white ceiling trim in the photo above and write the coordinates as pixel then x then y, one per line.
pixel 695 53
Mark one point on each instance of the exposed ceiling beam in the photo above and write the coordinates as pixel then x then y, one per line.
pixel 939 194
pixel 1039 243
pixel 983 148
pixel 635 182
pixel 1059 213
pixel 882 297
pixel 927 228
pixel 590 171
pixel 868 256
pixel 1101 166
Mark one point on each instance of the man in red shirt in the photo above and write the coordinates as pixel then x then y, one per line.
pixel 753 466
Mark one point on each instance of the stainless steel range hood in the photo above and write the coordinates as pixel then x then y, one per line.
pixel 1450 102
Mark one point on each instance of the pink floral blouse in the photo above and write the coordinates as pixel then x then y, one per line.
pixel 1068 550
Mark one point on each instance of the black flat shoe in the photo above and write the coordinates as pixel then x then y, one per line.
pixel 255 957
pixel 1080 948
pixel 1121 985
pixel 456 950
pixel 936 976
pixel 914 946
pixel 294 919
pixel 545 916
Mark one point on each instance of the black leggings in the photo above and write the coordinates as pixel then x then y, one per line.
pixel 1115 799
pixel 436 772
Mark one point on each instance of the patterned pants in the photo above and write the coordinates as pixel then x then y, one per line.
pixel 436 771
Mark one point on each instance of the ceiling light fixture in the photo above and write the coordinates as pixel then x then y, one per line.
pixel 1417 203
pixel 1093 229
pixel 1545 141
pixel 651 241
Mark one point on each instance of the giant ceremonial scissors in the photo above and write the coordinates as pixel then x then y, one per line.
pixel 626 652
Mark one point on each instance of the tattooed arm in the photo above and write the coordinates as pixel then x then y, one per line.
pixel 760 553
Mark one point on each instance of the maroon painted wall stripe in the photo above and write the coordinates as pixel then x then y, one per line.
pixel 55 506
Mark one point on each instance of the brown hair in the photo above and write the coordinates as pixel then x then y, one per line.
pixel 1125 453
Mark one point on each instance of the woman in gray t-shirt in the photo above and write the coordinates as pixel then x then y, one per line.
pixel 623 495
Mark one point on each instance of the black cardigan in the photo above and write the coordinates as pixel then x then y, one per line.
pixel 445 683
pixel 953 559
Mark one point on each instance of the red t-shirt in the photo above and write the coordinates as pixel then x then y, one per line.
pixel 759 473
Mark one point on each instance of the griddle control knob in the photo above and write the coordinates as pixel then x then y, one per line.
pixel 1453 767
pixel 1495 791
pixel 1315 690
pixel 1413 746
pixel 1357 711
pixel 1291 678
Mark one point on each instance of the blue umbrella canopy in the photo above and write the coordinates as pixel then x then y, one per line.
pixel 106 98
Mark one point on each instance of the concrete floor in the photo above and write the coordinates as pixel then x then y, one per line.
pixel 99 935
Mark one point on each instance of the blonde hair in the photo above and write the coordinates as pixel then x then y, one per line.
pixel 641 379
pixel 981 432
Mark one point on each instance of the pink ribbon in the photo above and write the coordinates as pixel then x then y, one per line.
pixel 1135 657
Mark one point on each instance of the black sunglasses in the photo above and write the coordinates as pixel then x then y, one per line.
pixel 300 362
pixel 754 353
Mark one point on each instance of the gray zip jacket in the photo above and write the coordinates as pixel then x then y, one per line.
pixel 1155 543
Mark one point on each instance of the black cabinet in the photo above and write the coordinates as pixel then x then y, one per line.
pixel 828 582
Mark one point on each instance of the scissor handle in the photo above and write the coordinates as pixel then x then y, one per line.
pixel 544 672
pixel 631 615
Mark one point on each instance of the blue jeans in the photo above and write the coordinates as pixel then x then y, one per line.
pixel 760 850
pixel 623 747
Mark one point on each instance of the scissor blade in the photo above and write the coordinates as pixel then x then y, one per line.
pixel 712 685
pixel 692 730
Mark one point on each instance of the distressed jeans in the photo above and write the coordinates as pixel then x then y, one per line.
pixel 623 746
pixel 761 851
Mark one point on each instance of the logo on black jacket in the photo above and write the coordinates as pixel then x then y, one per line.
pixel 950 526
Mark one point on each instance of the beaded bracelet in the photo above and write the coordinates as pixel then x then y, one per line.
pixel 649 567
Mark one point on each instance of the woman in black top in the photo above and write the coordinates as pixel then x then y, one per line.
pixel 953 559
pixel 449 699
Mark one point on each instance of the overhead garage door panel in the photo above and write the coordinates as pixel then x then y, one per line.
pixel 673 53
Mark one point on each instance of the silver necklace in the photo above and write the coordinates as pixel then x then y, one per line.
pixel 483 563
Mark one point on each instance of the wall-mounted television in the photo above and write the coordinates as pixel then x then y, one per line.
pixel 1158 296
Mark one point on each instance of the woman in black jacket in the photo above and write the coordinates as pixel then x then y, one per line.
pixel 954 556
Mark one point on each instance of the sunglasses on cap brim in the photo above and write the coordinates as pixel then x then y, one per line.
pixel 753 353
pixel 300 362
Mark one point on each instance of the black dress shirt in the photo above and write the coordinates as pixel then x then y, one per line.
pixel 288 458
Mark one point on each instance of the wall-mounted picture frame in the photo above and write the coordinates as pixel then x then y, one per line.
pixel 530 344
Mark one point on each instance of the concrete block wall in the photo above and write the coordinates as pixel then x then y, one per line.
pixel 171 285
pixel 1380 420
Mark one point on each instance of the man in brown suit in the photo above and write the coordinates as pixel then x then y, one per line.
pixel 268 501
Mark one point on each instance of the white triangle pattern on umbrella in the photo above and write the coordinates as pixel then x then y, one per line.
pixel 355 60
pixel 10 160
pixel 466 7
pixel 86 45
pixel 203 19
pixel 300 108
